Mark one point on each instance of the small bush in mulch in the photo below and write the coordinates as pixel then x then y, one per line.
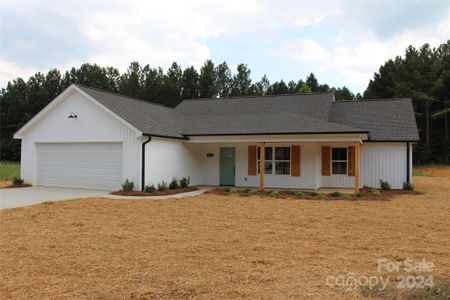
pixel 149 188
pixel 156 192
pixel 365 193
pixel 375 193
pixel 408 186
pixel 184 182
pixel 232 191
pixel 174 184
pixel 127 186
pixel 385 186
pixel 336 194
pixel 162 186
pixel 274 193
pixel 17 181
pixel 251 191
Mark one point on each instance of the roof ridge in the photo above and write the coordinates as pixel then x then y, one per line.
pixel 373 100
pixel 124 96
pixel 254 96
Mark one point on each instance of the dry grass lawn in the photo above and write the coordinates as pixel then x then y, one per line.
pixel 216 246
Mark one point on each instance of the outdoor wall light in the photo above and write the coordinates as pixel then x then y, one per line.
pixel 72 116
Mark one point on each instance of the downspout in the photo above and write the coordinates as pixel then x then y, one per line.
pixel 407 163
pixel 143 161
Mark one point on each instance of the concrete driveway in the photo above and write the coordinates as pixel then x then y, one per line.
pixel 17 197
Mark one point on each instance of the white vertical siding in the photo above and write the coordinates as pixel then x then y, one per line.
pixel 208 167
pixel 386 161
pixel 93 124
pixel 169 158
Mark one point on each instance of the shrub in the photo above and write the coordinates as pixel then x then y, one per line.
pixel 17 180
pixel 149 188
pixel 336 194
pixel 360 194
pixel 162 186
pixel 375 193
pixel 251 191
pixel 184 182
pixel 385 185
pixel 173 184
pixel 299 193
pixel 408 186
pixel 232 190
pixel 315 194
pixel 127 186
pixel 274 193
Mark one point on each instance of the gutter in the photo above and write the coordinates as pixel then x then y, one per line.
pixel 143 161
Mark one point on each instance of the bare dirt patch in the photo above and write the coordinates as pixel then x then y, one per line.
pixel 213 246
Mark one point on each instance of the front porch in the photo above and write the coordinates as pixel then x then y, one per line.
pixel 323 163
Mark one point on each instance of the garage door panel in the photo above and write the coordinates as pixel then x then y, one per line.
pixel 80 165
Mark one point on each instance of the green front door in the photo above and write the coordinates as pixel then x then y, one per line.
pixel 227 168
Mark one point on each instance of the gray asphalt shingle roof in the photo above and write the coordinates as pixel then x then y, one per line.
pixel 147 117
pixel 384 120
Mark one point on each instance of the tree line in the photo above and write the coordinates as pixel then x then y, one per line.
pixel 422 75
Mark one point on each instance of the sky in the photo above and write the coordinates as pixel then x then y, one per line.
pixel 341 42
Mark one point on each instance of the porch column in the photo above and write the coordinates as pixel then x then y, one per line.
pixel 357 165
pixel 262 158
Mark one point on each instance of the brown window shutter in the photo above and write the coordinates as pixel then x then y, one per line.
pixel 251 160
pixel 295 160
pixel 351 161
pixel 326 157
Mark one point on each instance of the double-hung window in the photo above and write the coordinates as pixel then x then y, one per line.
pixel 277 160
pixel 339 161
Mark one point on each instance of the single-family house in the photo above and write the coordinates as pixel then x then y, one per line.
pixel 89 138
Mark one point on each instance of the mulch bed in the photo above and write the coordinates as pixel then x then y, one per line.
pixel 156 193
pixel 12 186
pixel 365 194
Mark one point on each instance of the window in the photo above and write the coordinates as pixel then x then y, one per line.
pixel 339 160
pixel 278 164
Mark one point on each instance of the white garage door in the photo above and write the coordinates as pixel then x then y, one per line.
pixel 80 165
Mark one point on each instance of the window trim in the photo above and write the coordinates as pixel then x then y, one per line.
pixel 274 161
pixel 338 160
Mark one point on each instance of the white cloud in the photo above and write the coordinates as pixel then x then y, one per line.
pixel 10 71
pixel 301 50
pixel 357 62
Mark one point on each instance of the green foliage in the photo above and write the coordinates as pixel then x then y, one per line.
pixel 375 192
pixel 149 188
pixel 408 186
pixel 9 170
pixel 251 191
pixel 127 186
pixel 299 193
pixel 360 194
pixel 336 194
pixel 232 190
pixel 422 75
pixel 162 186
pixel 17 181
pixel 184 182
pixel 274 193
pixel 385 186
pixel 173 184
pixel 314 194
